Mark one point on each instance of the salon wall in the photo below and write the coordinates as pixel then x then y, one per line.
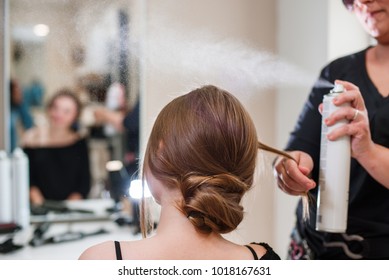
pixel 73 25
pixel 59 72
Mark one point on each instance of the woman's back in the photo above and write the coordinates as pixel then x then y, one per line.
pixel 200 161
pixel 177 243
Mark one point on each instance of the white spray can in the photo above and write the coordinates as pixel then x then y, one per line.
pixel 20 187
pixel 334 173
pixel 5 188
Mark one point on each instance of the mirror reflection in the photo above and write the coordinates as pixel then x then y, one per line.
pixel 74 95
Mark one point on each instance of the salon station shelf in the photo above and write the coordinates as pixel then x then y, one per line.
pixel 82 229
pixel 90 210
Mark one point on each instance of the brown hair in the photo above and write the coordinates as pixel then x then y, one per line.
pixel 205 144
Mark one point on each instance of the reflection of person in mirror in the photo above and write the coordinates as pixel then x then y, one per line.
pixel 115 102
pixel 58 154
pixel 200 161
pixel 19 113
pixel 126 122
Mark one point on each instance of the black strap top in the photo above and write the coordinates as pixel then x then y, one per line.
pixel 118 251
pixel 269 255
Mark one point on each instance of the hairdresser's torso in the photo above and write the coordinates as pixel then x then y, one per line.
pixel 368 199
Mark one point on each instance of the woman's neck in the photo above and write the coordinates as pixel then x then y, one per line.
pixel 59 132
pixel 57 136
pixel 377 64
pixel 173 220
pixel 380 53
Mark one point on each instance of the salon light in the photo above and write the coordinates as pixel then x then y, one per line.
pixel 41 30
pixel 114 165
pixel 118 179
pixel 136 189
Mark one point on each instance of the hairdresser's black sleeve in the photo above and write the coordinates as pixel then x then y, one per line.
pixel 131 123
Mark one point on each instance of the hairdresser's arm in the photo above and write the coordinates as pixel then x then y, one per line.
pixel 373 157
pixel 376 162
pixel 293 177
pixel 115 118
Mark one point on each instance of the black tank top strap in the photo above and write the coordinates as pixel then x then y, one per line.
pixel 252 252
pixel 269 255
pixel 118 250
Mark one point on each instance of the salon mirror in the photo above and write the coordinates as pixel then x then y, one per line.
pixel 90 47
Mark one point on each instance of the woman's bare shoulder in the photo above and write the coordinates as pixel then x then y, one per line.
pixel 38 137
pixel 101 251
pixel 134 249
pixel 31 137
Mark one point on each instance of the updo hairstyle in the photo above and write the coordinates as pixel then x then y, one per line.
pixel 205 144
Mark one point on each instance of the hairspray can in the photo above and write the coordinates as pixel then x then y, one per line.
pixel 334 173
pixel 5 188
pixel 20 187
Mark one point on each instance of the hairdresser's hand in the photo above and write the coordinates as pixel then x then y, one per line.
pixel 293 176
pixel 103 115
pixel 36 196
pixel 74 196
pixel 358 126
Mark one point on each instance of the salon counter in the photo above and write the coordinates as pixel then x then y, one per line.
pixel 101 225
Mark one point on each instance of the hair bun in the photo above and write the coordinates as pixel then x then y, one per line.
pixel 212 203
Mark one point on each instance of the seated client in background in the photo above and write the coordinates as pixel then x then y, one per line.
pixel 199 163
pixel 58 155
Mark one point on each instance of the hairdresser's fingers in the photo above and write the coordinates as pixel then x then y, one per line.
pixel 305 162
pixel 284 181
pixel 358 127
pixel 99 114
pixel 282 185
pixel 348 113
pixel 347 85
pixel 292 178
pixel 359 132
pixel 351 94
pixel 341 131
pixel 287 185
pixel 299 171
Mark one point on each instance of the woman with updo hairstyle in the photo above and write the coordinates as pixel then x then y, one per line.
pixel 204 144
pixel 58 154
pixel 200 161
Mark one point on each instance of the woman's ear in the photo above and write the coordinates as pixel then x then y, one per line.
pixel 160 146
pixel 154 186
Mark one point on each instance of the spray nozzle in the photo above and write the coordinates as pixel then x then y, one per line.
pixel 338 88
